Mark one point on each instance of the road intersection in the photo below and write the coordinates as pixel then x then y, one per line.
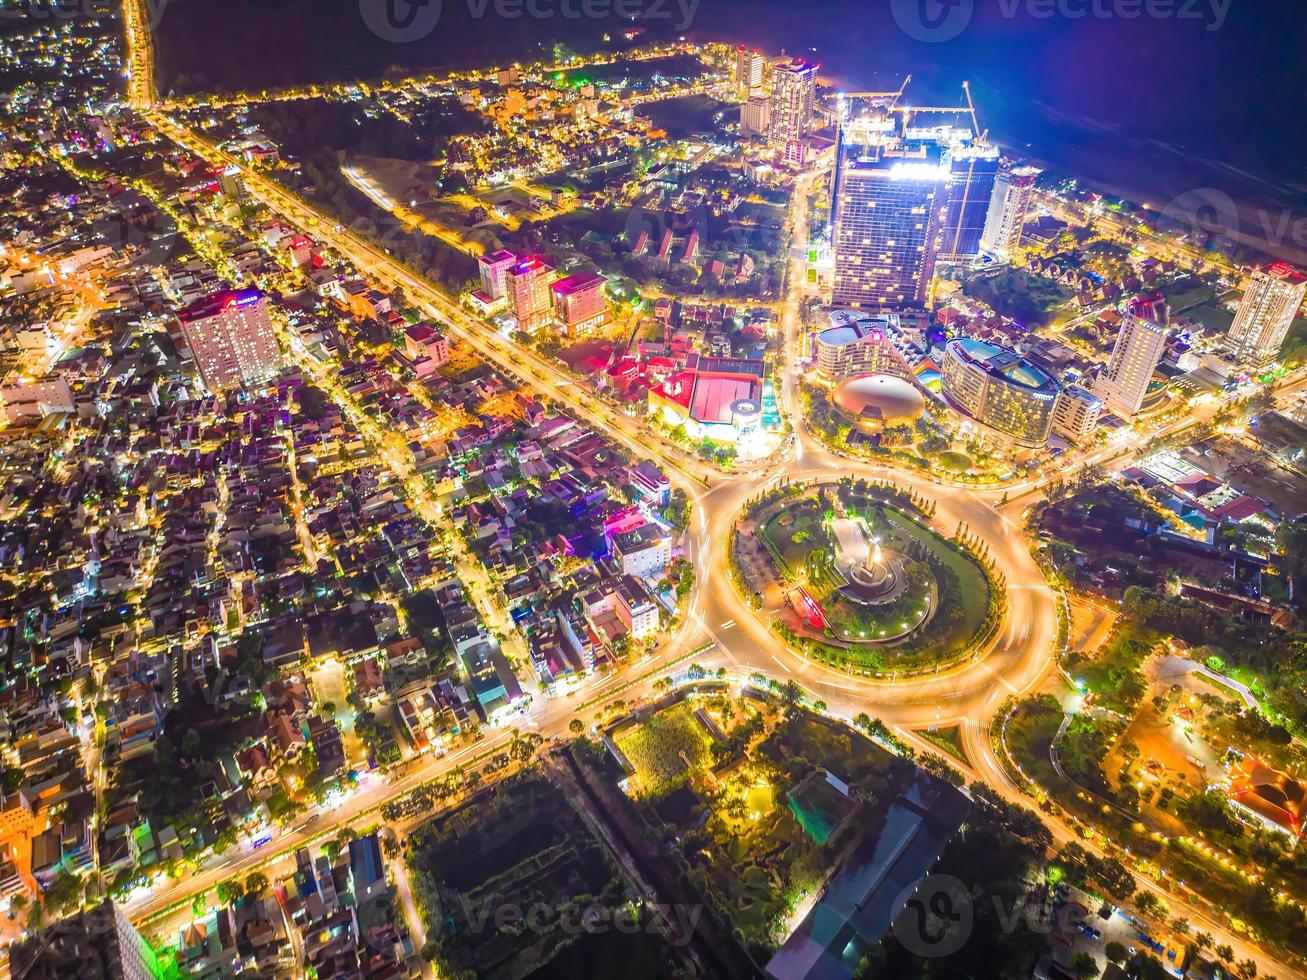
pixel 717 625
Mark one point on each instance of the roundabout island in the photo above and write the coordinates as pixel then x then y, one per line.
pixel 852 574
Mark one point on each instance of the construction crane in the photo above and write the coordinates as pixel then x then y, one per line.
pixel 975 121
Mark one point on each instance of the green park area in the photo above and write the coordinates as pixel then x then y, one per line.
pixel 949 739
pixel 756 824
pixel 954 461
pixel 944 600
pixel 665 749
pixel 1031 300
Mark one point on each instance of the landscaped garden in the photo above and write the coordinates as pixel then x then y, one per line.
pixel 665 749
pixel 949 739
pixel 929 600
pixel 757 825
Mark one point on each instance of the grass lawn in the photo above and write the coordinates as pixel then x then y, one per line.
pixel 972 584
pixel 796 531
pixel 1212 315
pixel 665 749
pixel 952 460
pixel 1187 292
pixel 950 740
pixel 1030 733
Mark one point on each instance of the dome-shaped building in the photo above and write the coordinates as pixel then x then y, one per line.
pixel 874 401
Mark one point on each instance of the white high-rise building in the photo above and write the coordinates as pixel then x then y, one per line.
pixel 1138 351
pixel 794 89
pixel 1008 205
pixel 755 116
pixel 1076 413
pixel 1271 300
pixel 748 71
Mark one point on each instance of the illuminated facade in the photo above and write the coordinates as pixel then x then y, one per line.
pixel 748 71
pixel 755 116
pixel 1001 389
pixel 1139 349
pixel 886 221
pixel 1271 300
pixel 529 298
pixel 794 87
pixel 1008 205
pixel 858 342
pixel 1076 414
pixel 494 268
pixel 231 339
pixel 579 302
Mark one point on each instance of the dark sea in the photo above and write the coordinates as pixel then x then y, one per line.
pixel 1179 104
pixel 1180 107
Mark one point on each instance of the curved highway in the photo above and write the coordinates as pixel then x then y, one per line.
pixel 1019 658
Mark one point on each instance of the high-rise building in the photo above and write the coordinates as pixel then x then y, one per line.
pixel 1076 414
pixel 1001 389
pixel 95 944
pixel 1271 300
pixel 231 338
pixel 494 267
pixel 1013 189
pixel 886 221
pixel 579 302
pixel 529 298
pixel 755 115
pixel 231 184
pixel 1138 351
pixel 748 71
pixel 973 167
pixel 794 89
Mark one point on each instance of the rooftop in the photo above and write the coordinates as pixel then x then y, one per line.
pixel 576 282
pixel 212 305
pixel 1000 362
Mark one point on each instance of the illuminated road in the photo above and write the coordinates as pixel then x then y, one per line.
pixel 1020 658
